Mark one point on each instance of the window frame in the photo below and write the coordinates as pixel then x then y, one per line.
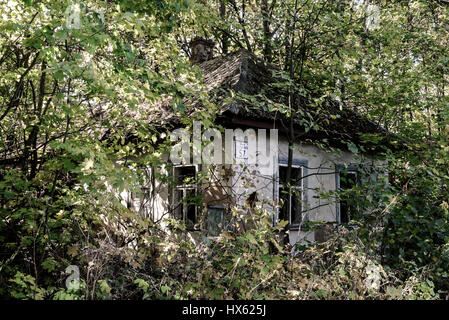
pixel 303 164
pixel 185 188
pixel 338 169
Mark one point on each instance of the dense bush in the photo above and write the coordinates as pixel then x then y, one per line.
pixel 128 257
pixel 80 107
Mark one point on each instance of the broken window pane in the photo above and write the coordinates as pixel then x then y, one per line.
pixel 185 175
pixel 296 208
pixel 296 175
pixel 284 198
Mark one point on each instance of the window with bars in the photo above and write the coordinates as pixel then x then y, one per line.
pixel 291 195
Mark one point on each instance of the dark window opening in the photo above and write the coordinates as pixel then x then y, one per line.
pixel 185 196
pixel 179 209
pixel 284 201
pixel 296 176
pixel 348 180
pixel 291 196
pixel 191 218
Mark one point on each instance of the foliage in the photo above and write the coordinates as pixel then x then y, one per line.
pixel 81 117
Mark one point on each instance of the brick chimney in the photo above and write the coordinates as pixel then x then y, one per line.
pixel 202 50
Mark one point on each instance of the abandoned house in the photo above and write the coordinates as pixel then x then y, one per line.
pixel 323 159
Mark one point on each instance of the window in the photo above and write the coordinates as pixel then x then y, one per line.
pixel 216 220
pixel 346 179
pixel 185 195
pixel 292 199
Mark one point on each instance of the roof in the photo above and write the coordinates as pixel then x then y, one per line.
pixel 244 87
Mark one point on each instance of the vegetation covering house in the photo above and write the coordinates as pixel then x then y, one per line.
pixel 331 145
pixel 88 90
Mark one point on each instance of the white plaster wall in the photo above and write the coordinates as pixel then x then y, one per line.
pixel 263 179
pixel 321 178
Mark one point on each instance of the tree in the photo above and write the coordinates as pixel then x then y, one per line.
pixel 77 97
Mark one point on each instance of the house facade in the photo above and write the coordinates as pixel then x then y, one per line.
pixel 327 155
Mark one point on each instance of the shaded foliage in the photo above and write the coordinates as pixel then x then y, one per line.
pixel 80 116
